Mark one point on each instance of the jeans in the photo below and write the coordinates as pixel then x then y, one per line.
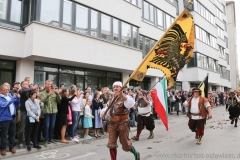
pixel 32 129
pixel 49 126
pixel 22 126
pixel 133 114
pixel 8 128
pixel 75 117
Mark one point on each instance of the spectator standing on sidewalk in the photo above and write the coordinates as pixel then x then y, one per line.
pixel 33 118
pixel 87 119
pixel 7 118
pixel 24 92
pixel 49 97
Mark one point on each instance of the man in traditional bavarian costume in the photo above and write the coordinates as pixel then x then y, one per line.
pixel 197 106
pixel 145 117
pixel 119 124
pixel 232 105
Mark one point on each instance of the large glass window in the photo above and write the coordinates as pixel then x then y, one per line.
pixel 105 27
pixel 192 62
pixel 220 32
pixel 226 41
pixel 67 14
pixel 126 34
pixel 205 37
pixel 168 21
pixel 147 46
pixel 50 12
pixel 135 37
pixel 16 6
pixel 7 72
pixel 115 30
pixel 3 9
pixel 148 11
pixel 160 18
pixel 72 75
pixel 81 19
pixel 199 8
pixel 221 52
pixel 218 13
pixel 94 23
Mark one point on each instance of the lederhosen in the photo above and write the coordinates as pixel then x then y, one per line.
pixel 119 126
pixel 233 108
pixel 144 121
pixel 197 125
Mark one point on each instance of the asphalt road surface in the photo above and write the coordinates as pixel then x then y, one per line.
pixel 221 141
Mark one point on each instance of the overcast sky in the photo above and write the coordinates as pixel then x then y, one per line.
pixel 237 13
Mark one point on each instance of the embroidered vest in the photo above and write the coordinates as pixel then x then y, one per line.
pixel 201 106
pixel 118 108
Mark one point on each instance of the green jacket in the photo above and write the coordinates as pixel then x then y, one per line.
pixel 50 102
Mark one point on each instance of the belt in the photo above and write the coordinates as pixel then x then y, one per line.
pixel 196 114
pixel 118 118
pixel 144 114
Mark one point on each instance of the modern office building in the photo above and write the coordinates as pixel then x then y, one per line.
pixel 94 43
pixel 232 38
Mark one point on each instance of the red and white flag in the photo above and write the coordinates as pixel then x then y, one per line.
pixel 159 96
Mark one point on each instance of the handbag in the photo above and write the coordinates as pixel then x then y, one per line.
pixel 69 116
pixel 31 120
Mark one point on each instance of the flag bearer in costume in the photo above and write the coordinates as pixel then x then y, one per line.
pixel 145 117
pixel 232 105
pixel 119 125
pixel 197 106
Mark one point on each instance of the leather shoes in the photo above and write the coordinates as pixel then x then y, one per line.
pixel 135 138
pixel 12 150
pixel 3 152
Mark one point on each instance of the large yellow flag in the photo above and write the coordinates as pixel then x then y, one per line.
pixel 172 51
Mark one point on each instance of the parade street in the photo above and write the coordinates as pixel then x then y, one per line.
pixel 221 141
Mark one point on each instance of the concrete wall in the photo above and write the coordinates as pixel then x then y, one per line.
pixel 24 68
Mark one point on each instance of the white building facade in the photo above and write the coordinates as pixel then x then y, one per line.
pixel 94 43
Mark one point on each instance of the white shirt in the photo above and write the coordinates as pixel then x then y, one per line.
pixel 87 111
pixel 11 106
pixel 75 104
pixel 143 110
pixel 195 108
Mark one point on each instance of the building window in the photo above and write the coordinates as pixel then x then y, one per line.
pixel 135 37
pixel 115 30
pixel 205 37
pixel 220 32
pixel 10 13
pixel 146 44
pixel 81 19
pixel 74 75
pixel 227 58
pixel 7 72
pixel 136 2
pixel 226 41
pixel 221 52
pixel 105 27
pixel 214 88
pixel 160 18
pixel 94 24
pixel 67 15
pixel 224 10
pixel 218 13
pixel 192 62
pixel 190 7
pixel 228 75
pixel 225 25
pixel 50 12
pixel 200 9
pixel 148 12
pixel 178 86
pixel 193 85
pixel 126 34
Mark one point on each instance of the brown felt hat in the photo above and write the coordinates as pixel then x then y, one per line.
pixel 196 90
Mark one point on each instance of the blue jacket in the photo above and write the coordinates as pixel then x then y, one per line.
pixel 5 113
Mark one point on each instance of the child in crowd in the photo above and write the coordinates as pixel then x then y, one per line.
pixel 87 122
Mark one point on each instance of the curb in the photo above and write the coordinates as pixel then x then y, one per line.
pixel 24 151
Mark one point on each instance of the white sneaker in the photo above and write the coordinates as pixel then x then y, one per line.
pixel 75 139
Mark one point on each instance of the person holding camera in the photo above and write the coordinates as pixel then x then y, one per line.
pixel 49 97
pixel 33 119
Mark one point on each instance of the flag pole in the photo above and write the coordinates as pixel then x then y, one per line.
pixel 202 81
pixel 146 57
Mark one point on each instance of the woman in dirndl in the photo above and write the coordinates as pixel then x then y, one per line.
pixel 96 109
